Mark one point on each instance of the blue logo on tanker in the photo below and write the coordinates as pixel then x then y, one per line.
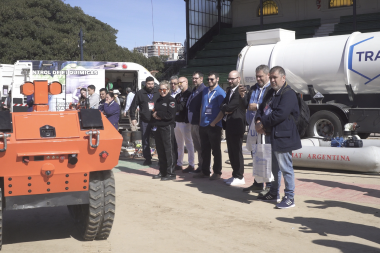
pixel 363 56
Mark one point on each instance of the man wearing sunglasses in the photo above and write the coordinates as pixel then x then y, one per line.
pixel 145 99
pixel 209 129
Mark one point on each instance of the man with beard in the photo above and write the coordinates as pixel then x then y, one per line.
pixel 145 99
pixel 212 98
pixel 193 114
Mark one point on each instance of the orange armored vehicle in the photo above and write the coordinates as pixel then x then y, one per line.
pixel 65 158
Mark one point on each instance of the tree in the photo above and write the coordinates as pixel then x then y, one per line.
pixel 48 30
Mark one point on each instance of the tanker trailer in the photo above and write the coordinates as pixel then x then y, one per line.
pixel 64 158
pixel 338 76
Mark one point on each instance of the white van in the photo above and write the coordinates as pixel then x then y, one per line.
pixel 72 75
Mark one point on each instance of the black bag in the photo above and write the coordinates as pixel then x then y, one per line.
pixel 302 121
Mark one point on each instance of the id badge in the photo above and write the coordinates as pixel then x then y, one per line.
pixel 151 106
pixel 208 110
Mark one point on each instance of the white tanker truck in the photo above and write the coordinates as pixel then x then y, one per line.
pixel 345 69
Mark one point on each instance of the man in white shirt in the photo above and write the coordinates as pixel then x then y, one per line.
pixel 130 96
pixel 93 97
pixel 253 101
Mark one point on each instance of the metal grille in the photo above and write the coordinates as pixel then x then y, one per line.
pixel 269 8
pixel 203 14
pixel 340 3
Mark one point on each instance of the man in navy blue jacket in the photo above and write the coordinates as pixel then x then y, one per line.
pixel 112 110
pixel 276 117
pixel 193 114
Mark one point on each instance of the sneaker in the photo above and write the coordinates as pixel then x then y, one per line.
pixel 268 197
pixel 215 176
pixel 236 181
pixel 147 162
pixel 264 192
pixel 228 161
pixel 198 170
pixel 286 202
pixel 201 175
pixel 228 179
pixel 177 167
pixel 189 169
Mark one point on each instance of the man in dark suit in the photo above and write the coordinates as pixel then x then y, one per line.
pixel 232 110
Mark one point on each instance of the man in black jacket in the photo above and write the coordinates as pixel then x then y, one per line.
pixel 232 111
pixel 182 129
pixel 164 114
pixel 145 99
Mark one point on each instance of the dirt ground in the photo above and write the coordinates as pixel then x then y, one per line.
pixel 335 212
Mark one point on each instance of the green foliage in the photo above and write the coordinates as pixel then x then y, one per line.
pixel 48 30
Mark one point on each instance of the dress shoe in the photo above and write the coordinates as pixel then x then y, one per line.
pixel 201 175
pixel 198 170
pixel 167 178
pixel 264 192
pixel 177 167
pixel 147 162
pixel 253 188
pixel 158 176
pixel 189 169
pixel 215 176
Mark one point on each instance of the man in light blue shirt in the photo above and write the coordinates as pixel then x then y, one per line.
pixel 212 98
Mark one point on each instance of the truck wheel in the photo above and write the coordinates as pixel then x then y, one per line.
pixel 324 124
pixel 88 217
pixel 109 206
pixel 364 135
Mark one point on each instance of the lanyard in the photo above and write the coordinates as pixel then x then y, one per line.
pixel 150 96
pixel 210 98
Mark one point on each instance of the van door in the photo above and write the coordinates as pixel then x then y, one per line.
pixel 22 73
pixel 75 80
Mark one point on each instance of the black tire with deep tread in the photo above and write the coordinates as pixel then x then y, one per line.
pixel 109 206
pixel 1 218
pixel 89 216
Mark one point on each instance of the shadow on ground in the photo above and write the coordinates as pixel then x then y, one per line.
pixel 369 191
pixel 217 188
pixel 324 227
pixel 38 224
pixel 346 247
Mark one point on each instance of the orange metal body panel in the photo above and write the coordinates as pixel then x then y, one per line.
pixel 25 141
pixel 27 126
pixel 41 92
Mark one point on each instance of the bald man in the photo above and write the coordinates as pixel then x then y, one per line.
pixel 232 111
pixel 182 130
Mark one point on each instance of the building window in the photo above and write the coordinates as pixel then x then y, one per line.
pixel 340 3
pixel 203 15
pixel 269 8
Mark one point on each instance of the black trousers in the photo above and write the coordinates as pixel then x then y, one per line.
pixel 210 141
pixel 165 149
pixel 235 153
pixel 145 129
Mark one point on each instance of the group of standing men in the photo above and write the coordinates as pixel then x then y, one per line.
pixel 200 115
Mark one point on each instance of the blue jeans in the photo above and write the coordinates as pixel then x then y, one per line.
pixel 282 163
